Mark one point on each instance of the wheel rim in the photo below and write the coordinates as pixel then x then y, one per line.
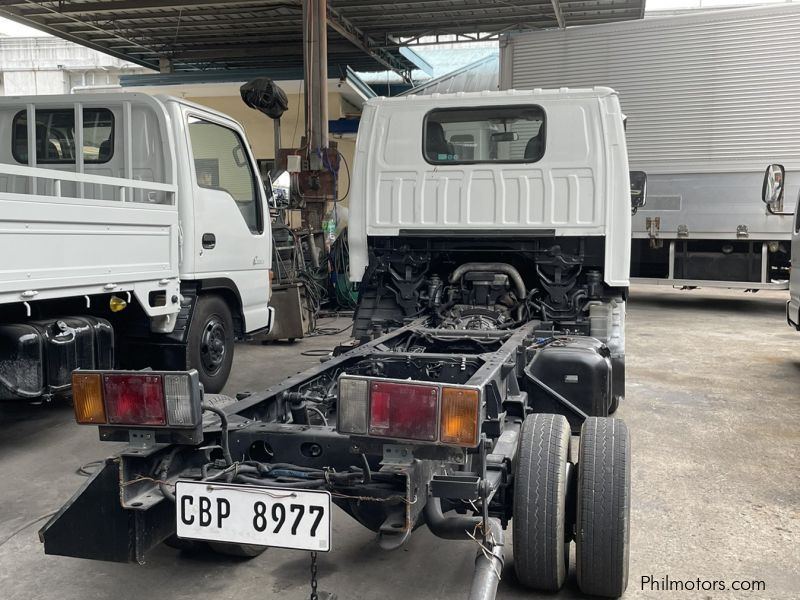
pixel 212 346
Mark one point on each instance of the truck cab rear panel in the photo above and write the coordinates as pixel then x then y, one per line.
pixel 577 185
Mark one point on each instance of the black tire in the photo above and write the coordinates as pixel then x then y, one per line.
pixel 210 342
pixel 603 513
pixel 237 550
pixel 614 405
pixel 541 547
pixel 183 545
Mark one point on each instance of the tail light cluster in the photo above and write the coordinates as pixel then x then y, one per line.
pixel 137 399
pixel 420 412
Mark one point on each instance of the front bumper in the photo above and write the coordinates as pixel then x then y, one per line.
pixel 270 320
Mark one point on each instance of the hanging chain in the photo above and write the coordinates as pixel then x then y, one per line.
pixel 314 595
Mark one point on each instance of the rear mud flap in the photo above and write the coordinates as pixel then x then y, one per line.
pixel 93 524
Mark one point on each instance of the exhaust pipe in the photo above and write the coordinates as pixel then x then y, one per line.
pixel 489 561
pixel 488 564
pixel 492 267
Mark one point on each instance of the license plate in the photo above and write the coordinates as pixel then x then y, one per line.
pixel 242 514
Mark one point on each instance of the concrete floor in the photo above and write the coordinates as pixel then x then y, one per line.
pixel 714 414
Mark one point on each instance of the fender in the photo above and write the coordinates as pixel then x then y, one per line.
pixel 226 285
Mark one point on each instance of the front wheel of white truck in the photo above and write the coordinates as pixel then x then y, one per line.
pixel 210 342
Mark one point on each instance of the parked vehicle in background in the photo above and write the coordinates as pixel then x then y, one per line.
pixel 490 234
pixel 773 191
pixel 709 97
pixel 133 235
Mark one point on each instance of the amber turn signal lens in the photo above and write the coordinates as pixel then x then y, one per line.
pixel 116 304
pixel 87 396
pixel 460 410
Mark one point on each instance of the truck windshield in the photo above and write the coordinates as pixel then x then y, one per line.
pixel 506 134
pixel 55 136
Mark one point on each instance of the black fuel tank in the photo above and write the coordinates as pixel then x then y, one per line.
pixel 578 369
pixel 37 357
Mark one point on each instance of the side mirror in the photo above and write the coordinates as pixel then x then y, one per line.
pixel 772 189
pixel 269 192
pixel 638 189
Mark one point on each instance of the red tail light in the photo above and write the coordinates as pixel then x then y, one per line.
pixel 404 411
pixel 134 399
pixel 380 406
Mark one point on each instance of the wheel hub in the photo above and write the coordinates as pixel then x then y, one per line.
pixel 212 346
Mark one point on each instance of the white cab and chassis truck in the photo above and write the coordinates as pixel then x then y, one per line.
pixel 710 98
pixel 133 234
pixel 490 236
pixel 772 193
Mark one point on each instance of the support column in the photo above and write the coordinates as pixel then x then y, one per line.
pixel 315 59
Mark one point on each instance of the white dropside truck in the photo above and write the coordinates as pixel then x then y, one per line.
pixel 710 97
pixel 133 233
pixel 490 234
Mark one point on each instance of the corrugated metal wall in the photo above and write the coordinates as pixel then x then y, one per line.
pixel 710 92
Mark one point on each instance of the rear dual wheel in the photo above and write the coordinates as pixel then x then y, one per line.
pixel 541 547
pixel 602 533
pixel 543 503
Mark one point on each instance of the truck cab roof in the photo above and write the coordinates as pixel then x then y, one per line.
pixel 500 96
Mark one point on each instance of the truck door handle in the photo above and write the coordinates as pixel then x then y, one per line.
pixel 209 241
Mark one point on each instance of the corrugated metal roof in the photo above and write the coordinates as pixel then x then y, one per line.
pixel 443 58
pixel 482 75
pixel 265 34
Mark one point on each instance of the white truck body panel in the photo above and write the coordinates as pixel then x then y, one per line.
pixel 120 247
pixel 565 193
pixel 126 224
pixel 112 228
pixel 711 98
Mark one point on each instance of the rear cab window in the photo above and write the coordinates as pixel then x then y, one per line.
pixel 486 134
pixel 55 136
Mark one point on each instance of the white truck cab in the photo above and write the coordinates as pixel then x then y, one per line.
pixel 535 162
pixel 135 232
pixel 773 192
pixel 521 198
